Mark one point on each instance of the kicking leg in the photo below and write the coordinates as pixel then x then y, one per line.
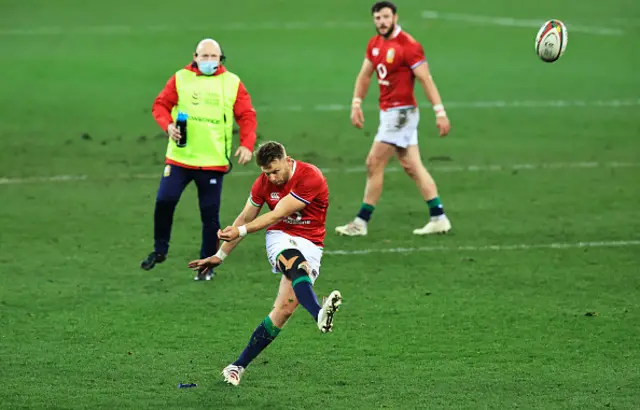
pixel 283 307
pixel 293 265
pixel 412 164
pixel 377 160
pixel 295 288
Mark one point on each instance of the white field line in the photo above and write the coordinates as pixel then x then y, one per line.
pixel 514 22
pixel 123 29
pixel 498 248
pixel 346 170
pixel 616 103
pixel 237 26
pixel 496 104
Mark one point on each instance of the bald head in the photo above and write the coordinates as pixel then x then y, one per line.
pixel 207 56
pixel 208 45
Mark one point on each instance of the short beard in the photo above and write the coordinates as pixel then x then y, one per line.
pixel 392 28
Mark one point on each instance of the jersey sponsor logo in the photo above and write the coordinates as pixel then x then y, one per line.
pixel 275 196
pixel 205 119
pixel 296 219
pixel 375 52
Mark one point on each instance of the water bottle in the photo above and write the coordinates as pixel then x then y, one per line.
pixel 181 123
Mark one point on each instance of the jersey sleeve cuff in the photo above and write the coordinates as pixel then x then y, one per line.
pixel 254 203
pixel 299 198
pixel 415 65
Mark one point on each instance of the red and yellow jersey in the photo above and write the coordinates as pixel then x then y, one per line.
pixel 394 60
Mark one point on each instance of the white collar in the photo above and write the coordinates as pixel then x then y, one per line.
pixel 396 32
pixel 294 169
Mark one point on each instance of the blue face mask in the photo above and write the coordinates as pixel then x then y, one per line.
pixel 208 67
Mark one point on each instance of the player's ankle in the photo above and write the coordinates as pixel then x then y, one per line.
pixel 360 222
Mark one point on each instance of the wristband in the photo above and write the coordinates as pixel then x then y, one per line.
pixel 439 110
pixel 243 230
pixel 356 101
pixel 221 254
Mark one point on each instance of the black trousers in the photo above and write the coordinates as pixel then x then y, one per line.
pixel 174 181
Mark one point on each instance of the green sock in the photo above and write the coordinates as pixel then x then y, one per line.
pixel 435 207
pixel 260 339
pixel 272 329
pixel 365 211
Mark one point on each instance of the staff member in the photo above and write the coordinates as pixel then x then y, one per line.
pixel 211 96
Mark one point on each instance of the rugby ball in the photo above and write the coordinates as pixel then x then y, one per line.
pixel 551 41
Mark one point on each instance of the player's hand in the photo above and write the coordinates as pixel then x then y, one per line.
pixel 443 125
pixel 244 155
pixel 174 132
pixel 203 266
pixel 357 117
pixel 229 233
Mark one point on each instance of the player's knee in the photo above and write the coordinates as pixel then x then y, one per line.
pixel 410 169
pixel 167 205
pixel 210 215
pixel 292 264
pixel 413 168
pixel 375 164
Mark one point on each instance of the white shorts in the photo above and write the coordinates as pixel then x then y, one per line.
pixel 399 126
pixel 278 241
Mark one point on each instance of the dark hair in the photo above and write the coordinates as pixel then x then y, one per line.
pixel 268 152
pixel 383 5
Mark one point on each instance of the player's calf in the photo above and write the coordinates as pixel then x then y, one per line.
pixel 377 160
pixel 283 311
pixel 415 170
pixel 262 336
pixel 413 166
pixel 293 265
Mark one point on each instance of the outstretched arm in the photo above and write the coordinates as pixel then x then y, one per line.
pixel 287 206
pixel 248 214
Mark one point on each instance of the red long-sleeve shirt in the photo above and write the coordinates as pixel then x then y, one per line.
pixel 243 112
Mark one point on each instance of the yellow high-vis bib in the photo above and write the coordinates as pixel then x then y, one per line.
pixel 208 101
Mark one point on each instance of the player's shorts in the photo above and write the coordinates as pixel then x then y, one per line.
pixel 399 126
pixel 278 241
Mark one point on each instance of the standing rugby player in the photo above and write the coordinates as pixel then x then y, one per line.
pixel 398 60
